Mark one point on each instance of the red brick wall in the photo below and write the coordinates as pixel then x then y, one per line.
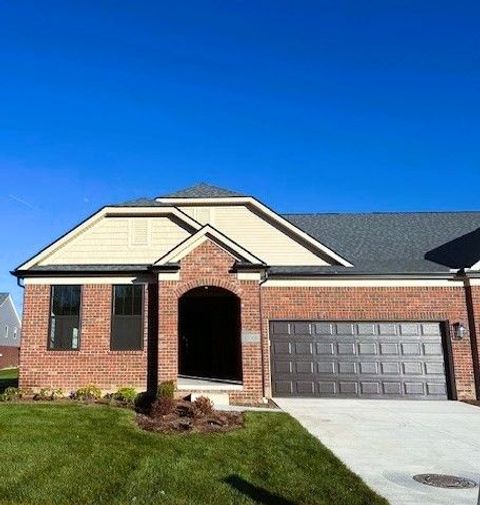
pixel 475 300
pixel 93 363
pixel 394 304
pixel 9 356
pixel 209 265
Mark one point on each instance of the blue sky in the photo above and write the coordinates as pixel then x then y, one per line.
pixel 309 105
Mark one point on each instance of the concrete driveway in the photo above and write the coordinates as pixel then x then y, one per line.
pixel 386 442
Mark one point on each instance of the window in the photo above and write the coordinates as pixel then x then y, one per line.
pixel 6 331
pixel 127 318
pixel 64 318
pixel 15 333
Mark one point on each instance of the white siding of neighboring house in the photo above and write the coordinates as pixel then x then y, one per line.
pixel 10 325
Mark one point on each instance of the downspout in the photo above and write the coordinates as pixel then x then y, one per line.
pixel 262 354
pixel 473 331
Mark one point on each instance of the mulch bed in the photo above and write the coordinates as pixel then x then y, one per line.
pixel 183 419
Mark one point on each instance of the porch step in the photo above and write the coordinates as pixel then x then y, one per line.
pixel 216 398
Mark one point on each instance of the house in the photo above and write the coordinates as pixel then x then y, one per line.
pixel 218 292
pixel 10 329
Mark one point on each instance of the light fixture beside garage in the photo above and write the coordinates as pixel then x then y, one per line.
pixel 459 331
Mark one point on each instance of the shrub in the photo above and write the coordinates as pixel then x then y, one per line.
pixel 48 394
pixel 11 394
pixel 162 406
pixel 166 389
pixel 202 407
pixel 126 395
pixel 89 392
pixel 144 401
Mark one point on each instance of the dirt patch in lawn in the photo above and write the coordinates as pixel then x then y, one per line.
pixel 186 417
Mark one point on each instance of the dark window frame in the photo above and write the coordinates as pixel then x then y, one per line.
pixel 141 316
pixel 50 318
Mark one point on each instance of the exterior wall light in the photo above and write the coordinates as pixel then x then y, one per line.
pixel 459 331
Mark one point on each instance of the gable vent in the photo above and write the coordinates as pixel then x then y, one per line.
pixel 203 215
pixel 139 232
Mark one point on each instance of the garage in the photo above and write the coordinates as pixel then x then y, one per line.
pixel 359 360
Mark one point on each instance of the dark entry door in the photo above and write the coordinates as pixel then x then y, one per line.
pixel 358 359
pixel 209 333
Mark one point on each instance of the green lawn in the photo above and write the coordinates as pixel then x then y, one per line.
pixel 9 373
pixel 80 454
pixel 8 378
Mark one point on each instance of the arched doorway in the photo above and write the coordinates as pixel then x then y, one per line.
pixel 209 334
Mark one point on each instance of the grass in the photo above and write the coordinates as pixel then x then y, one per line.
pixel 72 454
pixel 8 377
pixel 9 373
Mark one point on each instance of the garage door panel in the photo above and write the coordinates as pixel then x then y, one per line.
pixel 367 348
pixel 305 387
pixel 303 348
pixel 357 359
pixel 327 348
pixel 303 367
pixel 324 367
pixel 281 348
pixel 346 348
pixel 369 368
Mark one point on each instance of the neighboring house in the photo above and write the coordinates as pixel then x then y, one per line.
pixel 10 328
pixel 216 291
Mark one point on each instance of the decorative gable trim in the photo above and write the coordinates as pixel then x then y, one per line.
pixel 208 232
pixel 265 212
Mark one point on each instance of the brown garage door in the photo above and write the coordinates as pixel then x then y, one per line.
pixel 358 359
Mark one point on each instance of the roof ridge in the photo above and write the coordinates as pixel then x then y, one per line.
pixel 202 190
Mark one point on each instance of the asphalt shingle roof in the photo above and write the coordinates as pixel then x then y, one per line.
pixel 3 297
pixel 203 190
pixel 397 242
pixel 401 242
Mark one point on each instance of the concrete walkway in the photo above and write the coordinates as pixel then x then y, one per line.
pixel 386 442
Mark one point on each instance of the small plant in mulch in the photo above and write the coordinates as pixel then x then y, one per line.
pixel 48 394
pixel 166 389
pixel 89 392
pixel 169 416
pixel 12 394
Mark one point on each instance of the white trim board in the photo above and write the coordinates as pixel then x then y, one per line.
pixel 361 283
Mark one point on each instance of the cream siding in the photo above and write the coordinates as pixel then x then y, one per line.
pixel 127 240
pixel 238 222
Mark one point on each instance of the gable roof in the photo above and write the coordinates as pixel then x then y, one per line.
pixel 3 297
pixel 208 232
pixel 412 242
pixel 203 190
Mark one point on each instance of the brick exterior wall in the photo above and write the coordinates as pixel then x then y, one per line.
pixel 390 304
pixel 210 265
pixel 94 362
pixel 9 356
